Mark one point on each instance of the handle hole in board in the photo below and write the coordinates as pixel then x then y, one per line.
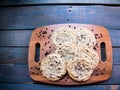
pixel 103 51
pixel 37 52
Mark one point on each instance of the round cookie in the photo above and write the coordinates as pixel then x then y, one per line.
pixel 79 69
pixel 85 36
pixel 53 67
pixel 89 53
pixel 67 51
pixel 61 35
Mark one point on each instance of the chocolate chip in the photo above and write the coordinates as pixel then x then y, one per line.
pixel 87 69
pixel 74 27
pixel 56 62
pixel 40 31
pixel 96 74
pixel 94 48
pixel 35 67
pixel 59 68
pixel 38 68
pixel 46 53
pixel 45 43
pixel 61 56
pixel 82 36
pixel 58 76
pixel 76 77
pixel 67 77
pixel 31 68
pixel 96 44
pixel 51 64
pixel 102 73
pixel 96 34
pixel 44 32
pixel 52 30
pixel 65 80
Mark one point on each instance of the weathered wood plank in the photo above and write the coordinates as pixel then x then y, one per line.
pixel 22 37
pixel 15 38
pixel 11 55
pixel 35 16
pixel 19 55
pixel 54 87
pixel 20 74
pixel 34 2
pixel 14 73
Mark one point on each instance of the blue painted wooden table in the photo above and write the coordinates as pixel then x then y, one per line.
pixel 19 18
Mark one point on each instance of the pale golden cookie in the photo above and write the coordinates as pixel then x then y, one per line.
pixel 61 35
pixel 53 67
pixel 79 69
pixel 67 51
pixel 89 53
pixel 85 36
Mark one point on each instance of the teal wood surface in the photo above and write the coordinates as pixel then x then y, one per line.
pixel 19 18
pixel 34 2
pixel 27 17
pixel 51 87
pixel 20 74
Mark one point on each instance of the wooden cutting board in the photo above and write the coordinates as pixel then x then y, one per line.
pixel 41 37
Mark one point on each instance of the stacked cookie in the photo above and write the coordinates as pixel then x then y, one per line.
pixel 74 53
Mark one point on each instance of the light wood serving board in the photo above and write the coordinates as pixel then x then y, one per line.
pixel 42 36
